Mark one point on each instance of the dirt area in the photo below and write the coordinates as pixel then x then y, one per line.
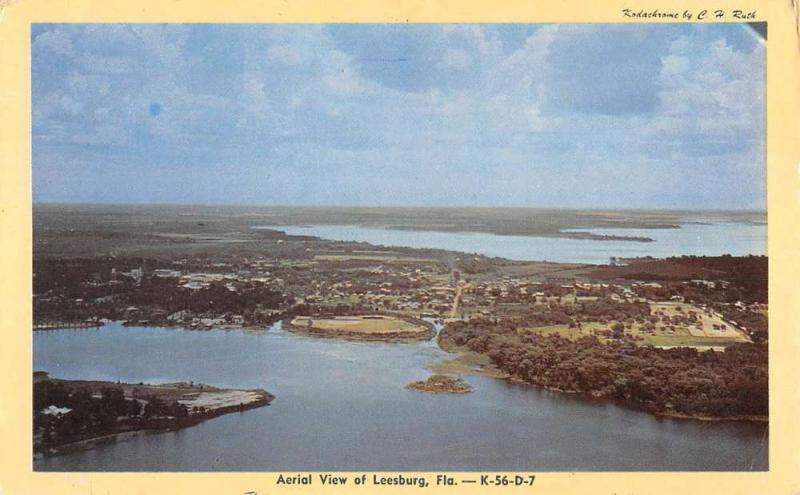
pixel 222 398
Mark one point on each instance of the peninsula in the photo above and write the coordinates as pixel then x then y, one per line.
pixel 74 415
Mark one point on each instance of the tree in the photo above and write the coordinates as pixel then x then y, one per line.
pixel 154 407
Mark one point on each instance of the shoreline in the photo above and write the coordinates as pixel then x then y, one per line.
pixel 560 234
pixel 642 407
pixel 750 419
pixel 166 325
pixel 458 365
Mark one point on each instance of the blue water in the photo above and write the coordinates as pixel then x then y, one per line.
pixel 709 239
pixel 344 406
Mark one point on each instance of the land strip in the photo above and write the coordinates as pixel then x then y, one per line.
pixel 77 414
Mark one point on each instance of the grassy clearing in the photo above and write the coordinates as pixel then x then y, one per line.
pixel 359 324
pixel 724 331
pixel 567 332
pixel 467 363
pixel 685 341
pixel 681 338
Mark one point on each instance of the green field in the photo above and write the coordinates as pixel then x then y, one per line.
pixel 567 332
pixel 682 338
pixel 358 324
pixel 686 340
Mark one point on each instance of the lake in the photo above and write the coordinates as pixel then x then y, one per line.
pixel 706 238
pixel 344 406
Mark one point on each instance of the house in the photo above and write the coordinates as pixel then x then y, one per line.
pixel 165 273
pixel 52 410
pixel 195 285
pixel 652 285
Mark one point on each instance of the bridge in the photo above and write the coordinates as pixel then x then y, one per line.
pixel 58 325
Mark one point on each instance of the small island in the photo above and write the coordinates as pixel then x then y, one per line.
pixel 72 415
pixel 441 384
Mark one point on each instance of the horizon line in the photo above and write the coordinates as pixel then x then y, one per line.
pixel 408 207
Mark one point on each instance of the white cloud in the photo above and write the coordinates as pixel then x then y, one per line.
pixel 673 65
pixel 286 54
pixel 715 97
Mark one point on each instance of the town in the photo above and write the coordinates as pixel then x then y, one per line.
pixel 339 279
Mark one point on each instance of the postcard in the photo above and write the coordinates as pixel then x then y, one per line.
pixel 281 247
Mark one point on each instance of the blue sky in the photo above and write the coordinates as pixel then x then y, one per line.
pixel 588 116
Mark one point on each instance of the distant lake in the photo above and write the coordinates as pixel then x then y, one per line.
pixel 709 239
pixel 344 406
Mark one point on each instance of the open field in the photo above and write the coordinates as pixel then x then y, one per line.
pixel 368 327
pixel 709 330
pixel 710 324
pixel 669 341
pixel 362 324
pixel 467 363
pixel 565 331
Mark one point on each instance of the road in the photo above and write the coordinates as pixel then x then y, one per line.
pixel 456 301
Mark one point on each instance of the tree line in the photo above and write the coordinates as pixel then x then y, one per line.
pixel 681 380
pixel 90 415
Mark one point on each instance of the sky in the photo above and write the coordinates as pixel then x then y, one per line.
pixel 552 115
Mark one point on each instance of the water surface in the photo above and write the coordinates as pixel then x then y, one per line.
pixel 343 406
pixel 708 238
